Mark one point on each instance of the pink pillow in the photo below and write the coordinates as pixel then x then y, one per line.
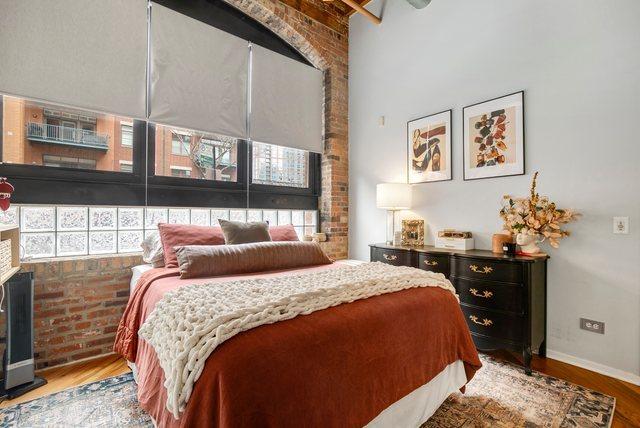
pixel 283 233
pixel 178 235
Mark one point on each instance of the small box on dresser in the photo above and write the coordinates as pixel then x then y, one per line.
pixel 503 298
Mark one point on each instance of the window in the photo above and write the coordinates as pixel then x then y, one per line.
pixel 126 134
pixel 120 161
pixel 126 166
pixel 280 166
pixel 68 230
pixel 191 154
pixel 180 144
pixel 68 162
pixel 35 133
pixel 179 171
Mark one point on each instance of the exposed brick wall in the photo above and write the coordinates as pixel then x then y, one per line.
pixel 328 50
pixel 77 306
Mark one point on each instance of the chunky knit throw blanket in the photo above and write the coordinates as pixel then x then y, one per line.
pixel 188 324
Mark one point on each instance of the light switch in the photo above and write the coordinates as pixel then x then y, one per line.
pixel 621 225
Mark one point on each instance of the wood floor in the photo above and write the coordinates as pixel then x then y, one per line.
pixel 63 377
pixel 627 395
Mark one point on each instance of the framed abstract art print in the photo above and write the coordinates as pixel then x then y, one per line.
pixel 429 148
pixel 493 137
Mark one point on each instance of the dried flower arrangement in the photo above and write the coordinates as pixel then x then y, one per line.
pixel 536 216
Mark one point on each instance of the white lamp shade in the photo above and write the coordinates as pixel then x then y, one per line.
pixel 393 196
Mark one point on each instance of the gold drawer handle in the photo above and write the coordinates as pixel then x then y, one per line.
pixel 486 294
pixel 433 263
pixel 485 269
pixel 485 322
pixel 389 257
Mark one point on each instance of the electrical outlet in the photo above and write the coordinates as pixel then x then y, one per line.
pixel 621 225
pixel 591 325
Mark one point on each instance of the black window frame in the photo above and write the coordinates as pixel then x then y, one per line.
pixel 193 192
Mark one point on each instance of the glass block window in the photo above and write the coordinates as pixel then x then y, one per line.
pixel 279 166
pixel 62 231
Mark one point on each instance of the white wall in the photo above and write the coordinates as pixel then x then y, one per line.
pixel 579 64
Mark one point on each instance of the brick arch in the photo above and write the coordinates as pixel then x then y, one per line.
pixel 263 12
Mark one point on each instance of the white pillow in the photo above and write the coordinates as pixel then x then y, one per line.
pixel 152 250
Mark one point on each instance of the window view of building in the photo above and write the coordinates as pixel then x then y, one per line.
pixel 279 166
pixel 126 131
pixel 190 154
pixel 43 134
pixel 126 166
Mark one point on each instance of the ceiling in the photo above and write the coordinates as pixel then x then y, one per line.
pixel 332 13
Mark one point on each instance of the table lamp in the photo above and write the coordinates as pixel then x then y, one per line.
pixel 393 197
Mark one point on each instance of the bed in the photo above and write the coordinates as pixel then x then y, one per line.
pixel 389 360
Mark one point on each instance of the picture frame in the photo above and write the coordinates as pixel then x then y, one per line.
pixel 413 233
pixel 429 148
pixel 493 138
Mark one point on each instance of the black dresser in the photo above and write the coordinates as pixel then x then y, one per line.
pixel 503 298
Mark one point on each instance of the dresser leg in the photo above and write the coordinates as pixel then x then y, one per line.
pixel 526 354
pixel 542 351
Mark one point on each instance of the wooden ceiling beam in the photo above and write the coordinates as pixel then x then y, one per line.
pixel 359 7
pixel 362 3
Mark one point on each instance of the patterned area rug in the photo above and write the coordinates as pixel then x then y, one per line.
pixel 500 395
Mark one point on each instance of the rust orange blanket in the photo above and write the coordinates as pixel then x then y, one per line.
pixel 337 367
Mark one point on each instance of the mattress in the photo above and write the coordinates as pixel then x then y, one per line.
pixel 136 273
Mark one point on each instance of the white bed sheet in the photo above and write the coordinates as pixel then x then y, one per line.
pixel 416 407
pixel 137 272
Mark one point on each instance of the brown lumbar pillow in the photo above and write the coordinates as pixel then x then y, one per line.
pixel 197 261
pixel 237 232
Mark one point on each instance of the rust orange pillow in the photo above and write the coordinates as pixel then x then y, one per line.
pixel 178 235
pixel 283 233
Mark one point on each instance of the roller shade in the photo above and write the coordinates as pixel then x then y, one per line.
pixel 83 53
pixel 198 75
pixel 286 101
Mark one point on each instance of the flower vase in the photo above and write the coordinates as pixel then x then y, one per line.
pixel 528 243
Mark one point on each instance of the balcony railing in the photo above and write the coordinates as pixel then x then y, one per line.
pixel 54 134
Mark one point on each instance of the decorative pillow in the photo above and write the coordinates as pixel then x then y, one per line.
pixel 174 235
pixel 152 252
pixel 283 233
pixel 204 260
pixel 237 232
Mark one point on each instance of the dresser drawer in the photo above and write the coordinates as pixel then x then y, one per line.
pixel 392 257
pixel 493 324
pixel 434 263
pixel 490 296
pixel 487 269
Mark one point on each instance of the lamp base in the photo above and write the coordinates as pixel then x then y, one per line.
pixel 391 224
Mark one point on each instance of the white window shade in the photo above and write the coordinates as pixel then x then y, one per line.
pixel 199 75
pixel 83 53
pixel 286 101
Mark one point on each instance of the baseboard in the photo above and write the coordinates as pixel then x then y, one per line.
pixel 594 367
pixel 75 362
